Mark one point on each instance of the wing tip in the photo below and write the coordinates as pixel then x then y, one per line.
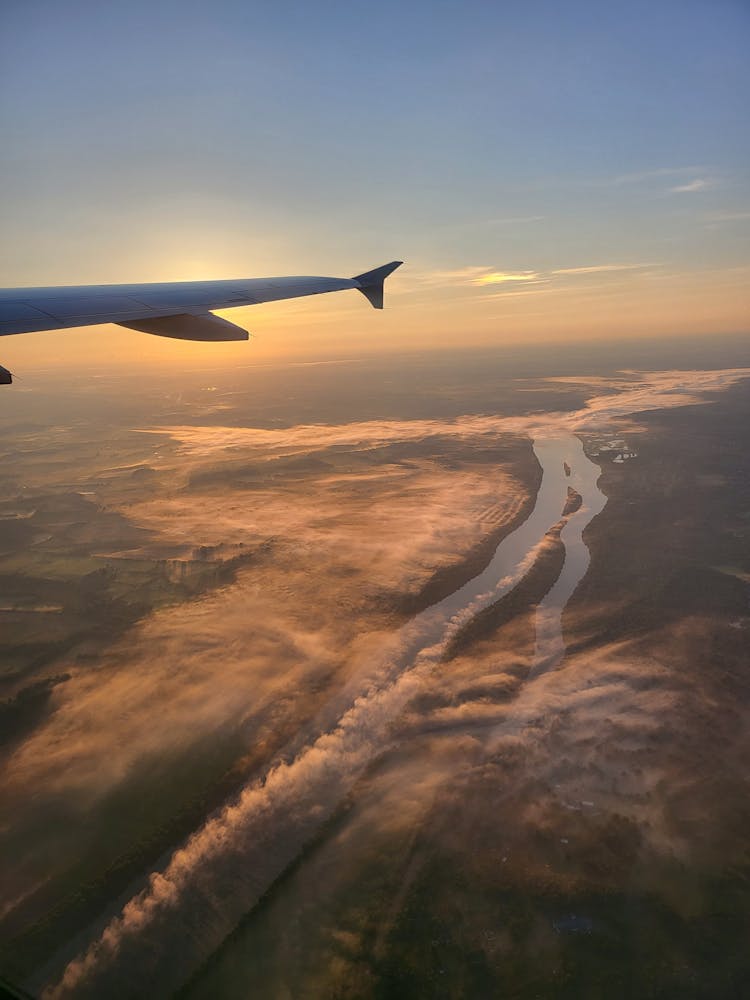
pixel 371 282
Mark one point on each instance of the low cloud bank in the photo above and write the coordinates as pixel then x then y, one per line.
pixel 227 864
pixel 649 391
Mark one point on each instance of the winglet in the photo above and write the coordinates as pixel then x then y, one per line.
pixel 371 282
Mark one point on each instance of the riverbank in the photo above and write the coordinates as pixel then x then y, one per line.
pixel 447 579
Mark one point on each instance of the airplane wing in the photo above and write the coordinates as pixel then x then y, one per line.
pixel 182 309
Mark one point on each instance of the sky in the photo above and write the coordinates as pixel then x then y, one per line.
pixel 547 171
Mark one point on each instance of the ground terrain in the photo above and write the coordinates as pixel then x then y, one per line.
pixel 194 586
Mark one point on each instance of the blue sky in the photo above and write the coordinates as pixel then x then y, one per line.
pixel 165 140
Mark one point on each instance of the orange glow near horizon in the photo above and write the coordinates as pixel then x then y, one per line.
pixel 425 311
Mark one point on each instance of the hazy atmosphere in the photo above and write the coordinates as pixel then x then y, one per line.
pixel 394 654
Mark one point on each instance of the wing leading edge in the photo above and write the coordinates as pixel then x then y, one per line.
pixel 183 309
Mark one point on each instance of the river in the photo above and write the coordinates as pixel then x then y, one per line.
pixel 584 476
pixel 515 554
